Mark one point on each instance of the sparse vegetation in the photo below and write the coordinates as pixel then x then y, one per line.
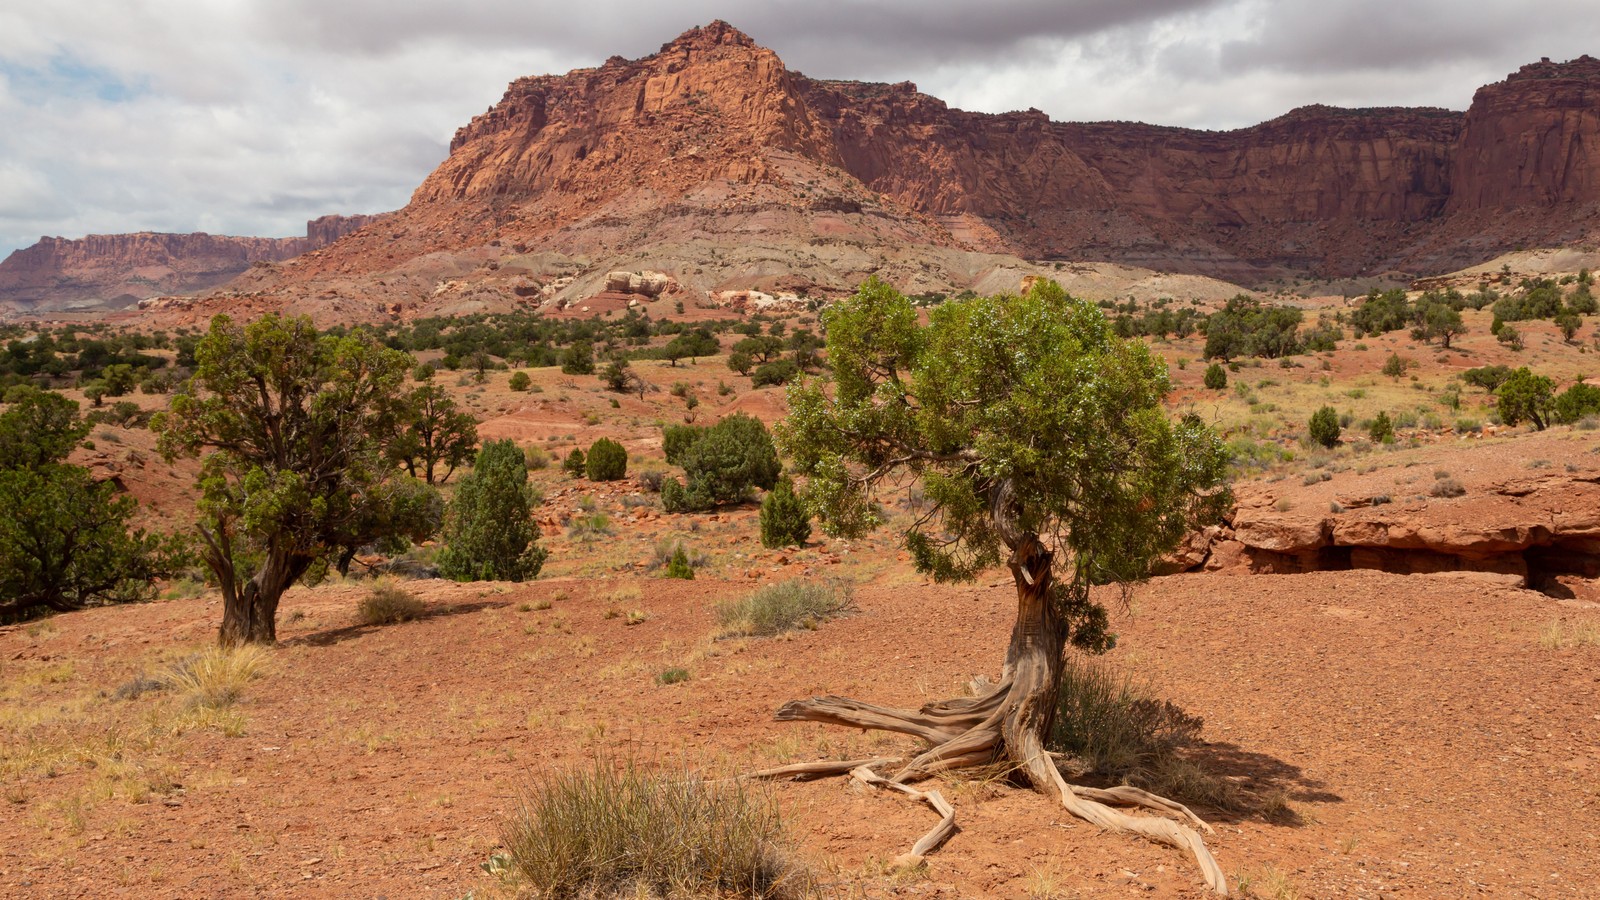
pixel 606 460
pixel 785 606
pixel 489 535
pixel 615 829
pixel 785 521
pixel 388 604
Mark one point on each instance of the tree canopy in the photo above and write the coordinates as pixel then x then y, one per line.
pixel 297 424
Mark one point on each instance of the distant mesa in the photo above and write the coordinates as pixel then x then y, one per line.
pixel 109 271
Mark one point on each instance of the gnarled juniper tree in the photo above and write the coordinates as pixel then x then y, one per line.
pixel 294 426
pixel 1041 443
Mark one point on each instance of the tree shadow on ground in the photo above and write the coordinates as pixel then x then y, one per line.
pixel 331 636
pixel 1273 783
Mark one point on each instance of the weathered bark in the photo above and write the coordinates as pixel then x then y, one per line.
pixel 250 615
pixel 1008 723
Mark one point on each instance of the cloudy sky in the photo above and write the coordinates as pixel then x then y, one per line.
pixel 251 116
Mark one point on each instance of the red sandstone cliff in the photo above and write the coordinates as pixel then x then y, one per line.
pixel 117 269
pixel 713 138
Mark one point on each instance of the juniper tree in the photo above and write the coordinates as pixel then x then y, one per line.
pixel 1042 444
pixel 295 425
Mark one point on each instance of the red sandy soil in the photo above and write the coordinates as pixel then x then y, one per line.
pixel 1428 741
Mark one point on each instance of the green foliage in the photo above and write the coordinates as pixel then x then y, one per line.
pixel 618 376
pixel 777 372
pixel 1216 378
pixel 1324 427
pixel 490 534
pixel 1510 336
pixel 1381 430
pixel 677 439
pixel 1021 415
pixel 574 465
pixel 1576 402
pixel 1487 377
pixel 1394 366
pixel 1568 322
pixel 722 464
pixel 1381 313
pixel 64 539
pixel 38 428
pixel 423 372
pixel 615 830
pixel 435 433
pixel 578 359
pixel 678 566
pixel 297 423
pixel 519 381
pixel 741 362
pixel 785 521
pixel 1525 396
pixel 785 606
pixel 1437 320
pixel 606 460
pixel 1246 327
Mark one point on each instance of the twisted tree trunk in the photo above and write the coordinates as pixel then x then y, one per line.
pixel 1008 723
pixel 250 613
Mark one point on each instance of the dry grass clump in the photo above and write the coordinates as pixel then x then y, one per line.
pixel 1559 635
pixel 215 678
pixel 616 830
pixel 1110 726
pixel 785 606
pixel 388 604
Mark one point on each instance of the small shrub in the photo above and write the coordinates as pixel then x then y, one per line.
pixel 388 604
pixel 777 372
pixel 574 463
pixel 520 381
pixel 606 460
pixel 1324 427
pixel 1447 487
pixel 784 606
pixel 785 521
pixel 535 458
pixel 1381 430
pixel 672 676
pixel 215 678
pixel 678 566
pixel 1112 725
pixel 1216 378
pixel 615 830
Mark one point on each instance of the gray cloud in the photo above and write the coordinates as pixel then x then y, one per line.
pixel 251 117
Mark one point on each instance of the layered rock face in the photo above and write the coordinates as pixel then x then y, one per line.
pixel 119 269
pixel 714 138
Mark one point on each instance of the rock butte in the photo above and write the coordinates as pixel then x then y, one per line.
pixel 712 147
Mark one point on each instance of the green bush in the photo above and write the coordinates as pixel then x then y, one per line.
pixel 678 566
pixel 1216 377
pixel 574 464
pixel 615 830
pixel 785 521
pixel 1525 396
pixel 1324 427
pixel 722 464
pixel 578 359
pixel 784 606
pixel 779 371
pixel 607 460
pixel 388 604
pixel 489 533
pixel 520 381
pixel 1576 402
pixel 1381 430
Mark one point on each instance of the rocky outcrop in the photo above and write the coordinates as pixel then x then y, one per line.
pixel 1538 532
pixel 645 284
pixel 113 270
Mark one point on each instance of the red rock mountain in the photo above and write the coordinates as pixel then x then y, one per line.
pixel 118 269
pixel 714 163
pixel 712 139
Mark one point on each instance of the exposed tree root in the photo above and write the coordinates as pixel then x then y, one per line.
pixel 968 732
pixel 930 841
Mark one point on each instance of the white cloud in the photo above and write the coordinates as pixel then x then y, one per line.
pixel 249 117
